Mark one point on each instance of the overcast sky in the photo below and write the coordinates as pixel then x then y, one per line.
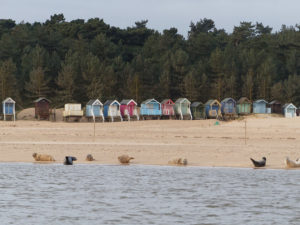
pixel 161 14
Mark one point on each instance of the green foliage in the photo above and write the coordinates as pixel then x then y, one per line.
pixel 79 60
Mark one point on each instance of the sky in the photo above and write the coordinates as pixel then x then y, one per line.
pixel 161 14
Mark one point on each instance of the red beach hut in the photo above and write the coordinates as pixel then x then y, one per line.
pixel 128 109
pixel 167 107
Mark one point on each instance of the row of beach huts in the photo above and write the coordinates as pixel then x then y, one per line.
pixel 128 109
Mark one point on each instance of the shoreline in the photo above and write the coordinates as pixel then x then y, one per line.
pixel 155 142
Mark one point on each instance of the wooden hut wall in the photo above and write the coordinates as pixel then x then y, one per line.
pixel 198 111
pixel 8 108
pixel 276 108
pixel 112 110
pixel 212 109
pixel 244 108
pixel 42 108
pixel 168 108
pixel 130 108
pixel 289 111
pixel 94 109
pixel 151 108
pixel 228 106
pixel 260 107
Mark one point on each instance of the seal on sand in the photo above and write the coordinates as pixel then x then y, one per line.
pixel 291 163
pixel 125 159
pixel 69 160
pixel 89 157
pixel 42 157
pixel 179 161
pixel 260 163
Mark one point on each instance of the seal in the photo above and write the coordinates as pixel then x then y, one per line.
pixel 125 159
pixel 260 163
pixel 179 161
pixel 291 163
pixel 69 160
pixel 42 157
pixel 89 157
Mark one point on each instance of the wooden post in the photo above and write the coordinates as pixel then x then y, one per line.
pixel 245 131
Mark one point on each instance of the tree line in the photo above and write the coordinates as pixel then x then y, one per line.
pixel 80 60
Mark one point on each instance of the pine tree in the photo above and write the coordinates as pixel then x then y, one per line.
pixel 7 79
pixel 37 86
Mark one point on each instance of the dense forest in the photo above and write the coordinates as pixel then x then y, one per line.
pixel 79 60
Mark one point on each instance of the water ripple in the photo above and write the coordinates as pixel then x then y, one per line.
pixel 98 194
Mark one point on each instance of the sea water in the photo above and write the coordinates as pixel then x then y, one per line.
pixel 103 194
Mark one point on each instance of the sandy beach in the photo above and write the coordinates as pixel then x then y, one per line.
pixel 156 142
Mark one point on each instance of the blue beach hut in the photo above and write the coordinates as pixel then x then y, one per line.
pixel 213 108
pixel 228 106
pixel 94 108
pixel 150 107
pixel 111 110
pixel 260 106
pixel 8 108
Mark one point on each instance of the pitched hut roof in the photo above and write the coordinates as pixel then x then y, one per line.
pixel 243 100
pixel 274 102
pixel 227 99
pixel 180 100
pixel 169 101
pixel 127 101
pixel 150 100
pixel 110 102
pixel 196 104
pixel 42 98
pixel 261 100
pixel 8 100
pixel 289 105
pixel 94 102
pixel 212 101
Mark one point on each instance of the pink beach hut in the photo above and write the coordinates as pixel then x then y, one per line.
pixel 167 107
pixel 128 109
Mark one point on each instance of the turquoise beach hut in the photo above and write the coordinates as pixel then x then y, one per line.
pixel 260 106
pixel 183 108
pixel 243 106
pixel 8 108
pixel 150 108
pixel 94 108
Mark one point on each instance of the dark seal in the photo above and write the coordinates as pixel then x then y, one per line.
pixel 260 163
pixel 69 160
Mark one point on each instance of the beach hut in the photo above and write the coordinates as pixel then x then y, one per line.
pixel 72 110
pixel 8 108
pixel 213 108
pixel 243 106
pixel 289 110
pixel 183 108
pixel 276 106
pixel 42 108
pixel 198 110
pixel 150 108
pixel 94 109
pixel 128 109
pixel 112 110
pixel 228 107
pixel 167 107
pixel 260 106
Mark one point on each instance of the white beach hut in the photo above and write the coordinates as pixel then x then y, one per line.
pixel 289 110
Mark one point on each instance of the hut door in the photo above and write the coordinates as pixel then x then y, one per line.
pixel 114 110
